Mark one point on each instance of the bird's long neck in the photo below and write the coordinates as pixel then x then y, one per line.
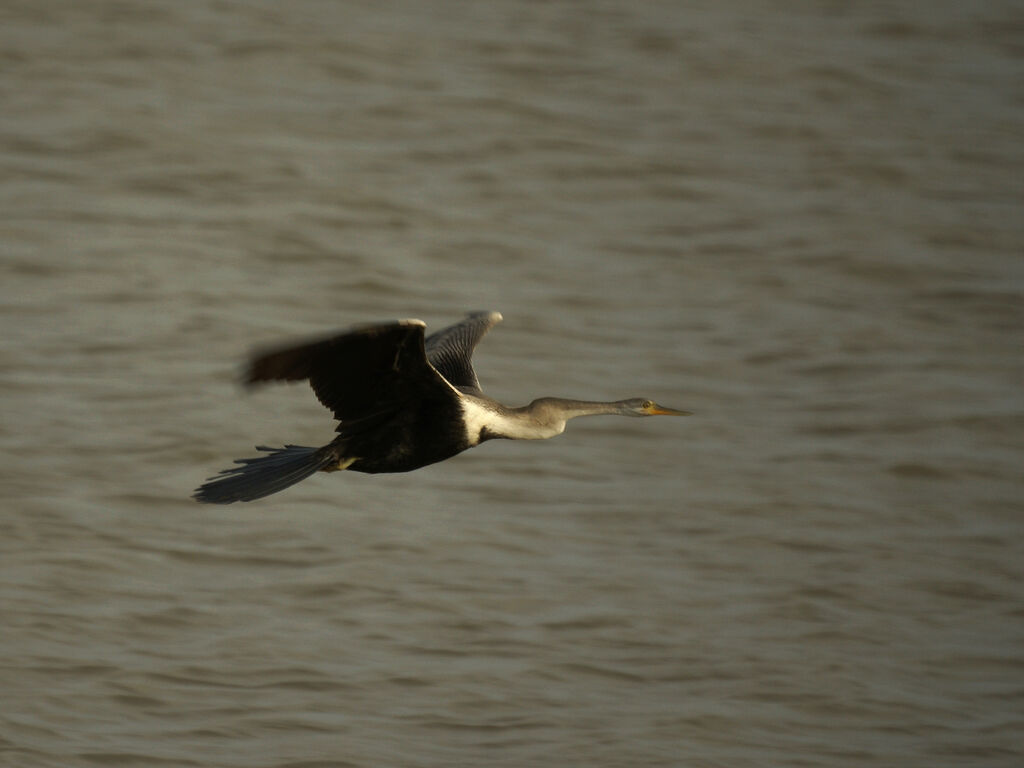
pixel 559 409
pixel 541 419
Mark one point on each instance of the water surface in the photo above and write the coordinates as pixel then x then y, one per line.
pixel 801 222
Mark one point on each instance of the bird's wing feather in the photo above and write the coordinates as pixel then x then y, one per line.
pixel 364 372
pixel 450 350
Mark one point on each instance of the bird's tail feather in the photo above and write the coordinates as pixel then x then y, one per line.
pixel 263 475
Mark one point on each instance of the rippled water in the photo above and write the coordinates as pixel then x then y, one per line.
pixel 801 221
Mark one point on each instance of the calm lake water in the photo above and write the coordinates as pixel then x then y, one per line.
pixel 802 221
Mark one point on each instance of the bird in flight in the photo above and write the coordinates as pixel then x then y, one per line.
pixel 402 401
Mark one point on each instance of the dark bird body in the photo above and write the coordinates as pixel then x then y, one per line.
pixel 402 402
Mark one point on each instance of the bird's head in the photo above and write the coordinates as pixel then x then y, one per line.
pixel 639 406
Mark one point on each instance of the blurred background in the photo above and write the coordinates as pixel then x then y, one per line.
pixel 801 221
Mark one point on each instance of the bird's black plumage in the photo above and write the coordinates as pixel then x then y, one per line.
pixel 391 390
pixel 450 350
pixel 364 371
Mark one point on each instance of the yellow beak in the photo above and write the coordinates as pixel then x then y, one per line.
pixel 660 410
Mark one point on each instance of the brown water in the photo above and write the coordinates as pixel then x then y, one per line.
pixel 802 221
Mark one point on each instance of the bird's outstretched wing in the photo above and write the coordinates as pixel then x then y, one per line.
pixel 450 350
pixel 358 374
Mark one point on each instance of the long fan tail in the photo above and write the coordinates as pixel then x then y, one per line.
pixel 263 475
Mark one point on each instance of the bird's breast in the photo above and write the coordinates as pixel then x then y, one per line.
pixel 478 420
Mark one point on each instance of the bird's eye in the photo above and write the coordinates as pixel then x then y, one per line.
pixel 647 404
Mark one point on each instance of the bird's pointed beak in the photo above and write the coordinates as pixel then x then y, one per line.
pixel 661 410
